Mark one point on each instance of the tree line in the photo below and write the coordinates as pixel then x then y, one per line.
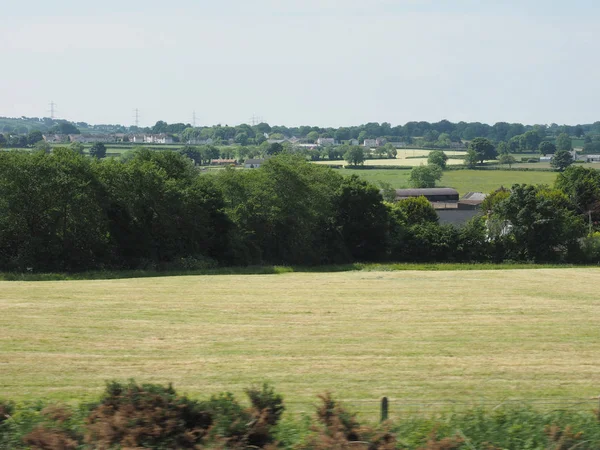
pixel 63 211
pixel 440 133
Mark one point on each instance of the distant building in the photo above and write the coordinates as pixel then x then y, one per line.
pixel 325 141
pixel 449 208
pixel 253 163
pixel 370 143
pixel 92 138
pixel 431 194
pixel 55 138
pixel 353 142
pixel 223 162
pixel 158 139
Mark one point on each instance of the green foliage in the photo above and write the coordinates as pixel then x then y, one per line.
pixel 590 247
pixel 540 222
pixel 425 176
pixel 582 186
pixel 42 146
pixel 437 158
pixel 483 149
pixel 415 210
pixel 547 148
pixel 507 159
pixel 77 148
pixel 561 160
pixel 64 127
pixel 471 158
pixel 387 192
pixel 34 136
pixel 355 156
pixel 98 150
pixel 563 142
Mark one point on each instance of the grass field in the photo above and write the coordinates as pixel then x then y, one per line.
pixel 462 180
pixel 421 337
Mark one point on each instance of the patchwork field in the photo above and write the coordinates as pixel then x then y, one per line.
pixel 418 337
pixel 462 180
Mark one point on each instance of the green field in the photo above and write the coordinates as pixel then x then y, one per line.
pixel 462 180
pixel 418 337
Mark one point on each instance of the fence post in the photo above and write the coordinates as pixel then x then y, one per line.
pixel 384 409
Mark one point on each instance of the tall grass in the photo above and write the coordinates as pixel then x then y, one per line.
pixel 273 270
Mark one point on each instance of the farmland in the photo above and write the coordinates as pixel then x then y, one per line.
pixel 462 180
pixel 425 336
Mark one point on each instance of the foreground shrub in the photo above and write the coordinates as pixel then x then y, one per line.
pixel 149 416
pixel 338 429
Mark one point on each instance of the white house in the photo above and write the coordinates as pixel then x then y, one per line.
pixel 370 143
pixel 325 141
pixel 158 139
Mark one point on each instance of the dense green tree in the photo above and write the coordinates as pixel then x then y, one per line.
pixel 503 148
pixel 437 158
pixel 425 176
pixel 547 148
pixel 98 150
pixel 471 158
pixel 561 160
pixel 50 214
pixel 582 186
pixel 507 159
pixel 563 142
pixel 483 148
pixel 241 138
pixel 42 146
pixel 65 127
pixel 274 149
pixel 159 210
pixel 312 137
pixel 416 210
pixel 77 147
pixel 34 136
pixel 540 222
pixel 355 155
pixel 361 221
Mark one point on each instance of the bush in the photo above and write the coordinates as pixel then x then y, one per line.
pixel 590 247
pixel 338 429
pixel 146 416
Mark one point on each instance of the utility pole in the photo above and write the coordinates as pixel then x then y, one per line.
pixel 254 120
pixel 52 109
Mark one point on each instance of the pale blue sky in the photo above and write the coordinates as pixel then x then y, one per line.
pixel 293 62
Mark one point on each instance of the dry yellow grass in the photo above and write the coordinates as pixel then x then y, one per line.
pixel 428 336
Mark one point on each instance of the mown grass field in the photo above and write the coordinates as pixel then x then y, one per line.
pixel 417 337
pixel 462 180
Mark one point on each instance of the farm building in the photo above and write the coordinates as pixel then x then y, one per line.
pixel 431 194
pixel 223 162
pixel 325 141
pixel 449 208
pixel 253 163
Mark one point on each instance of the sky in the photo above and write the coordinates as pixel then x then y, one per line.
pixel 301 62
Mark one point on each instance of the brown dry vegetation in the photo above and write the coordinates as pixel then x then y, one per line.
pixel 425 336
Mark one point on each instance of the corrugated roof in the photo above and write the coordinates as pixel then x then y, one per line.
pixel 425 192
pixel 474 196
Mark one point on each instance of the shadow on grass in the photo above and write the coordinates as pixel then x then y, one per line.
pixel 275 270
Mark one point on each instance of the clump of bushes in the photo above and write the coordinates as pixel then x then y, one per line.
pixel 150 416
pixel 336 428
pixel 153 416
